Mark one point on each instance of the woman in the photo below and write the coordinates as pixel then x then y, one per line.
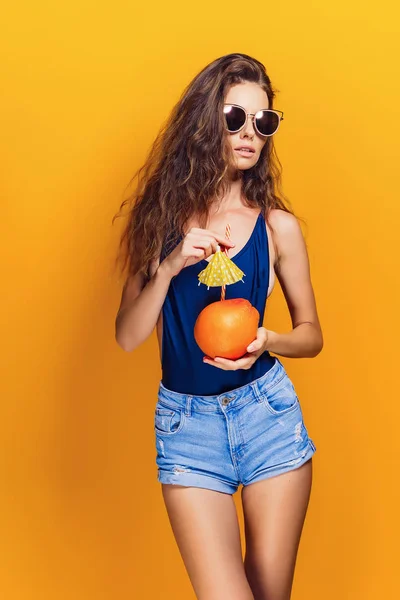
pixel 220 423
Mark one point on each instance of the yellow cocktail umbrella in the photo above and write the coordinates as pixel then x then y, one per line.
pixel 221 271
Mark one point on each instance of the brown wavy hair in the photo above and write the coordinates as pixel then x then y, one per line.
pixel 186 168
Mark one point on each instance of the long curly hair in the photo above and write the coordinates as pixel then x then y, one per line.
pixel 187 166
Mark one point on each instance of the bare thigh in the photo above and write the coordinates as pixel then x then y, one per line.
pixel 274 513
pixel 206 529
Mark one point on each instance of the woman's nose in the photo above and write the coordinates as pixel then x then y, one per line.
pixel 248 129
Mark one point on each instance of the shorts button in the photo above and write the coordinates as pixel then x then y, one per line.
pixel 225 400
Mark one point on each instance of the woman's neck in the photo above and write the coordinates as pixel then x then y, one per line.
pixel 231 200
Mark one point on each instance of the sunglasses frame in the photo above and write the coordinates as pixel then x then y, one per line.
pixel 253 115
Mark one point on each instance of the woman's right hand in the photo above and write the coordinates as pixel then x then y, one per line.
pixel 197 245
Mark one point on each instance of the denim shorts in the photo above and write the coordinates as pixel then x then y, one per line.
pixel 250 433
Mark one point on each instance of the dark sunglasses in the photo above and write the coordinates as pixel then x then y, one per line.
pixel 266 121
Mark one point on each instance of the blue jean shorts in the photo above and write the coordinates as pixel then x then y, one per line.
pixel 219 442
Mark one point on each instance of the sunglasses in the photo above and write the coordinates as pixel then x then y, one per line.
pixel 265 121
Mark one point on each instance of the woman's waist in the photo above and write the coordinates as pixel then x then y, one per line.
pixel 186 373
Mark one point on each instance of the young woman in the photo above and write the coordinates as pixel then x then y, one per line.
pixel 221 423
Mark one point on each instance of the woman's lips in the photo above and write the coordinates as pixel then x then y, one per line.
pixel 245 153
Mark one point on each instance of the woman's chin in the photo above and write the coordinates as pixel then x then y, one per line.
pixel 243 164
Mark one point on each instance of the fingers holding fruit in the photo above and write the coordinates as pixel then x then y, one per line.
pixel 254 351
pixel 260 343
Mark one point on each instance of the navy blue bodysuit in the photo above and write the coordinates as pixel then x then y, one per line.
pixel 183 369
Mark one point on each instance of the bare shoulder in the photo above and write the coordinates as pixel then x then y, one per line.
pixel 288 235
pixel 284 222
pixel 293 269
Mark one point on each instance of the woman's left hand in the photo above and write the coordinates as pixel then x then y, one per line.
pixel 254 350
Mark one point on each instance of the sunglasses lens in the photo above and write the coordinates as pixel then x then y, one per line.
pixel 267 122
pixel 235 117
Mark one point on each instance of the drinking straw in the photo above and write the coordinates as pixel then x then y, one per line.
pixel 228 235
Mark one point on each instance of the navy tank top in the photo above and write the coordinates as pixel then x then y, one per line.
pixel 182 364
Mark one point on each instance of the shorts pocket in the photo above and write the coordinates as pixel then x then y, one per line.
pixel 281 398
pixel 168 421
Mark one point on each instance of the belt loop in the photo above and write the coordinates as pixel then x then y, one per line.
pixel 255 390
pixel 188 407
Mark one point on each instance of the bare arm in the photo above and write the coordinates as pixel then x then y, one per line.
pixel 140 308
pixel 293 272
pixel 141 302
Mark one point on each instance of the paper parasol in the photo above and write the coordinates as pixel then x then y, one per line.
pixel 220 271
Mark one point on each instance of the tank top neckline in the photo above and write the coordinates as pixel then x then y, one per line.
pixel 247 244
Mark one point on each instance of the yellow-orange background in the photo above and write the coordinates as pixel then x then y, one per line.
pixel 85 87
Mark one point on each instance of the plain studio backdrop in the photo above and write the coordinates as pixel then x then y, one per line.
pixel 85 88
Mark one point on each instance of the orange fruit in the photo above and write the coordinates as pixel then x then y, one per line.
pixel 225 328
